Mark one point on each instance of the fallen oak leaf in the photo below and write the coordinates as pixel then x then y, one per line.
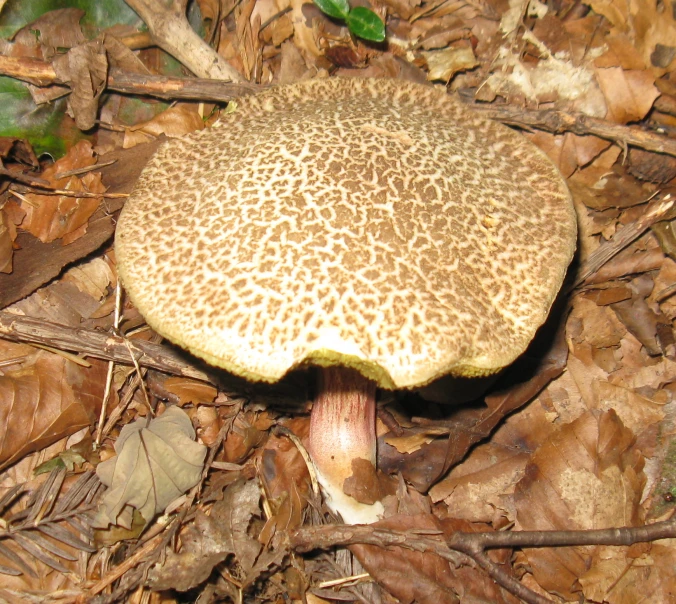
pixel 156 462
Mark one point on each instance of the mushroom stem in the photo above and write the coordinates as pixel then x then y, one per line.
pixel 343 432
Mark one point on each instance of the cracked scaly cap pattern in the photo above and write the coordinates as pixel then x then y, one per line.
pixel 372 223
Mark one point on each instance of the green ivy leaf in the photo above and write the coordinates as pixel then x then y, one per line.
pixel 338 9
pixel 364 23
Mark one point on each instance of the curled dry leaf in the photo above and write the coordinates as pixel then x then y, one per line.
pixel 45 398
pixel 85 69
pixel 156 462
pixel 587 475
pixel 173 122
pixel 51 217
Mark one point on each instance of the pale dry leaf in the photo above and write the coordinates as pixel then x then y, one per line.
pixel 444 64
pixel 93 278
pixel 551 78
pixel 413 441
pixel 156 462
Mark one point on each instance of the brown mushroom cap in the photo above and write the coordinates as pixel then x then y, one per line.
pixel 376 224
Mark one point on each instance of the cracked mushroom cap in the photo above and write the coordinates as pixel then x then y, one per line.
pixel 376 224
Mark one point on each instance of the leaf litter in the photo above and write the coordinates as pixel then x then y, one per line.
pixel 578 435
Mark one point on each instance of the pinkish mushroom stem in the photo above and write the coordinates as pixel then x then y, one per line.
pixel 343 431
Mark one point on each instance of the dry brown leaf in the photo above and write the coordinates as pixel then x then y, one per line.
pixel 292 66
pixel 173 122
pixel 629 94
pixel 620 53
pixel 210 9
pixel 304 34
pixel 6 243
pixel 17 150
pixel 73 299
pixel 650 23
pixel 50 217
pixel 402 8
pixel 480 488
pixel 664 279
pixel 587 475
pixel 408 575
pixel 600 327
pixel 156 462
pixel 425 577
pixel 85 69
pixel 45 398
pixel 283 468
pixel 187 390
pixel 500 463
pixel 412 441
pixel 637 412
pixel 645 575
pixel 59 28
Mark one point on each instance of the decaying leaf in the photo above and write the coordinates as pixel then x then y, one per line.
pixel 212 538
pixel 156 462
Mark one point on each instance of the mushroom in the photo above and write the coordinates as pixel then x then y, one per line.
pixel 374 228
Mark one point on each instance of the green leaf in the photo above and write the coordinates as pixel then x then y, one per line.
pixel 338 9
pixel 364 23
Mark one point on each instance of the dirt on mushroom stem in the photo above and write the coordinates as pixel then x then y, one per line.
pixel 342 442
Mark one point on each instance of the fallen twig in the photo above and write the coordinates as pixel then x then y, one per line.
pixel 559 122
pixel 97 344
pixel 460 547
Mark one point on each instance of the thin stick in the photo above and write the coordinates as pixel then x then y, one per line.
pixel 111 367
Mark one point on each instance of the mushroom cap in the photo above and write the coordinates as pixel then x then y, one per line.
pixel 376 224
